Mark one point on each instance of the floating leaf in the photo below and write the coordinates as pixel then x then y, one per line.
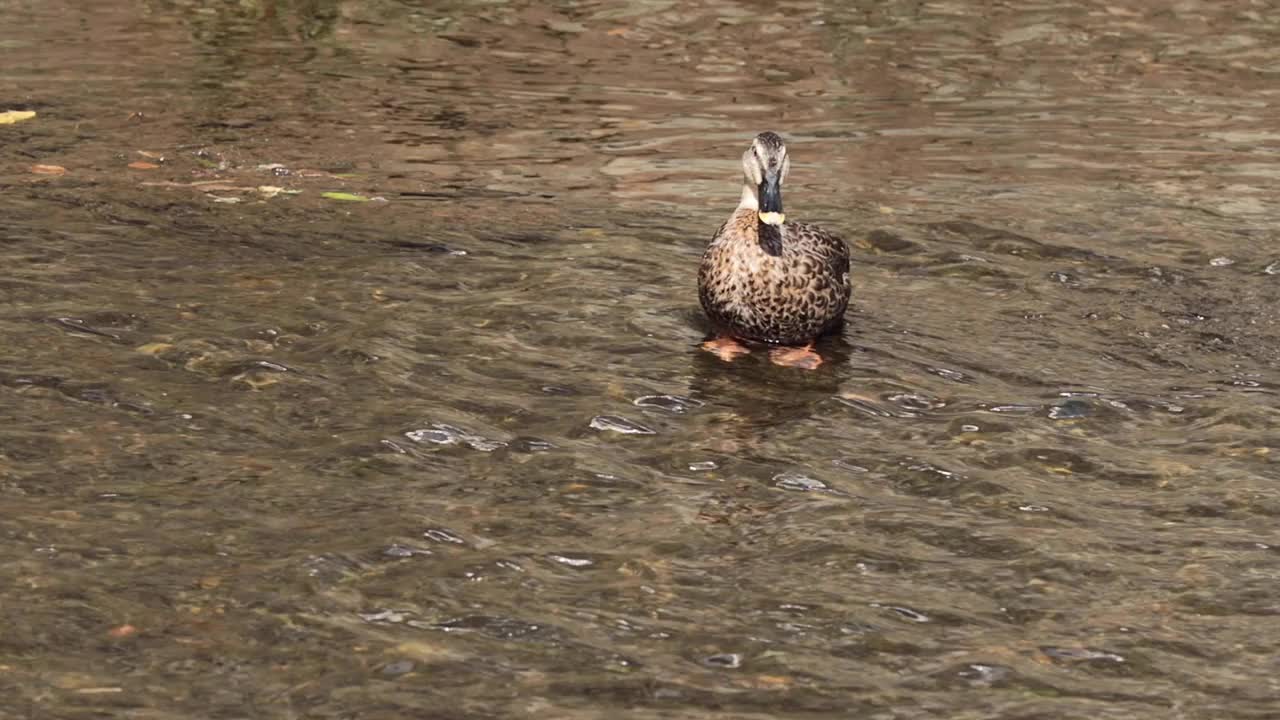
pixel 349 197
pixel 10 117
pixel 272 191
pixel 140 165
pixel 154 348
pixel 48 169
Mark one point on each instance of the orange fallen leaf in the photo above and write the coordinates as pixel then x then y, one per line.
pixel 140 165
pixel 48 169
pixel 123 631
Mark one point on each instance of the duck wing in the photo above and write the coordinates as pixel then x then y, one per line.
pixel 828 252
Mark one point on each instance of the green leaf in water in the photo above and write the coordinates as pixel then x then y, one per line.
pixel 344 196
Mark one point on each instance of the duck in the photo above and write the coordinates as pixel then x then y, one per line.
pixel 768 281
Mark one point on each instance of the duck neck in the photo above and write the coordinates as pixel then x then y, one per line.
pixel 769 236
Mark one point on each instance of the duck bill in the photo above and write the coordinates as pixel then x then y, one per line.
pixel 771 200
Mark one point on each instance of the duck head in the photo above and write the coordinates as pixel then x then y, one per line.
pixel 765 165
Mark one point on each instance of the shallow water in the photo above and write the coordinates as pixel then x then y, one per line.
pixel 453 452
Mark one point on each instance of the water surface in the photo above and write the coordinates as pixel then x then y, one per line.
pixel 453 452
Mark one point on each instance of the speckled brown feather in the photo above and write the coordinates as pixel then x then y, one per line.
pixel 788 299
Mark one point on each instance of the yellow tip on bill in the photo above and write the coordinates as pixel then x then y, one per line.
pixel 772 218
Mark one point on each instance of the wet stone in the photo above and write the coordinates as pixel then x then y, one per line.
pixel 1070 410
pixel 399 551
pixel 798 483
pixel 981 674
pixel 729 661
pixel 400 667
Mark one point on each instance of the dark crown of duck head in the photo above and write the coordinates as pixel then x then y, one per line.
pixel 770 141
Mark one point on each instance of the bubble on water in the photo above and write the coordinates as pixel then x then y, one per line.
pixel 930 468
pixel 1033 508
pixel 798 482
pixel 619 424
pixel 383 616
pixel 1222 262
pixel 438 436
pixel 1013 409
pixel 1273 268
pixel 970 428
pixel 948 373
pixel 442 535
pixel 576 562
pixel 904 612
pixel 441 434
pixel 703 466
pixel 915 401
pixel 1081 654
pixel 671 403
pixel 849 464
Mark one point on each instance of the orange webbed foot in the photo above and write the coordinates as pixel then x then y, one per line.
pixel 797 357
pixel 725 348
